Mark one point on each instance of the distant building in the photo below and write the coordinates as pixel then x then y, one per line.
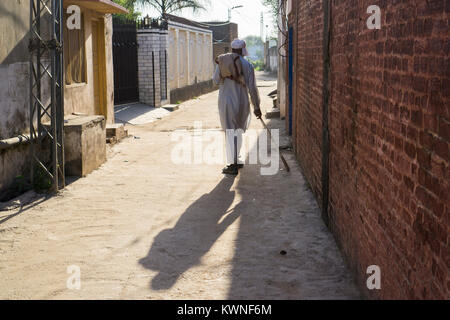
pixel 224 33
pixel 271 55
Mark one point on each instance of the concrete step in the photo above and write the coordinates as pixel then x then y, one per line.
pixel 115 132
pixel 171 107
pixel 111 141
pixel 272 114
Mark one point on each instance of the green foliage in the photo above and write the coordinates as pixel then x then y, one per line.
pixel 21 184
pixel 133 14
pixel 274 9
pixel 254 41
pixel 257 64
pixel 255 47
pixel 273 5
pixel 171 6
pixel 41 181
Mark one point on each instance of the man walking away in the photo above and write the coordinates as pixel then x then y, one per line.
pixel 236 77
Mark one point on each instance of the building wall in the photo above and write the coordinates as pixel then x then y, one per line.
pixel 272 59
pixel 190 56
pixel 152 44
pixel 14 68
pixel 14 23
pixel 108 23
pixel 271 55
pixel 307 112
pixel 14 87
pixel 15 77
pixel 79 98
pixel 389 138
pixel 223 34
pixel 221 48
pixel 282 64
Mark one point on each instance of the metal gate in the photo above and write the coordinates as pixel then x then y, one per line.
pixel 163 73
pixel 126 84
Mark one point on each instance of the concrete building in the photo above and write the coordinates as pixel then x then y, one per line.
pixel 271 55
pixel 370 121
pixel 88 85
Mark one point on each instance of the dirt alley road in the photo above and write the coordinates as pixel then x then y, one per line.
pixel 141 227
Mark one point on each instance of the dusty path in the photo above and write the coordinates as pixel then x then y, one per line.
pixel 142 227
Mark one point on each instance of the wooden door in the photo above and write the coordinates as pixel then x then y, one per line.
pixel 99 67
pixel 95 64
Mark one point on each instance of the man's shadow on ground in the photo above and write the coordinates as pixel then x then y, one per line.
pixel 176 250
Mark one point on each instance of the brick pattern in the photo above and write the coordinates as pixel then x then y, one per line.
pixel 225 33
pixel 223 36
pixel 307 117
pixel 221 48
pixel 150 42
pixel 389 132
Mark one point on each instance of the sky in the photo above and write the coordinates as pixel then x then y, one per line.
pixel 248 18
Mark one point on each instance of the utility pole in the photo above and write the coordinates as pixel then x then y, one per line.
pixel 262 26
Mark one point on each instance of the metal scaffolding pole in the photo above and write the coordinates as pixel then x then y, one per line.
pixel 47 68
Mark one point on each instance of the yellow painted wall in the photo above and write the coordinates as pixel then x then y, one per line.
pixel 79 98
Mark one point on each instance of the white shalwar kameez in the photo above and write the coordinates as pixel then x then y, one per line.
pixel 234 106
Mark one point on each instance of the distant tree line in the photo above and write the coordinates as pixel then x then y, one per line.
pixel 162 6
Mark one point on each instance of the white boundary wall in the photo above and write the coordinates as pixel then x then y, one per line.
pixel 190 55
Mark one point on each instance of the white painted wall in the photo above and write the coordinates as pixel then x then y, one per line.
pixel 190 55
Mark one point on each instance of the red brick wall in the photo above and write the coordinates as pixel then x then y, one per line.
pixel 221 48
pixel 389 138
pixel 307 118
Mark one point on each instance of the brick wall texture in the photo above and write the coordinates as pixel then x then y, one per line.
pixel 223 36
pixel 389 115
pixel 224 32
pixel 221 48
pixel 152 44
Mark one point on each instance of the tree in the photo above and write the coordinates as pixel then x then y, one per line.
pixel 254 41
pixel 274 7
pixel 130 6
pixel 255 47
pixel 170 6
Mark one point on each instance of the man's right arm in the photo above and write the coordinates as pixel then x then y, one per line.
pixel 254 93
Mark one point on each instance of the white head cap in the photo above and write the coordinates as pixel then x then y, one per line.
pixel 240 44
